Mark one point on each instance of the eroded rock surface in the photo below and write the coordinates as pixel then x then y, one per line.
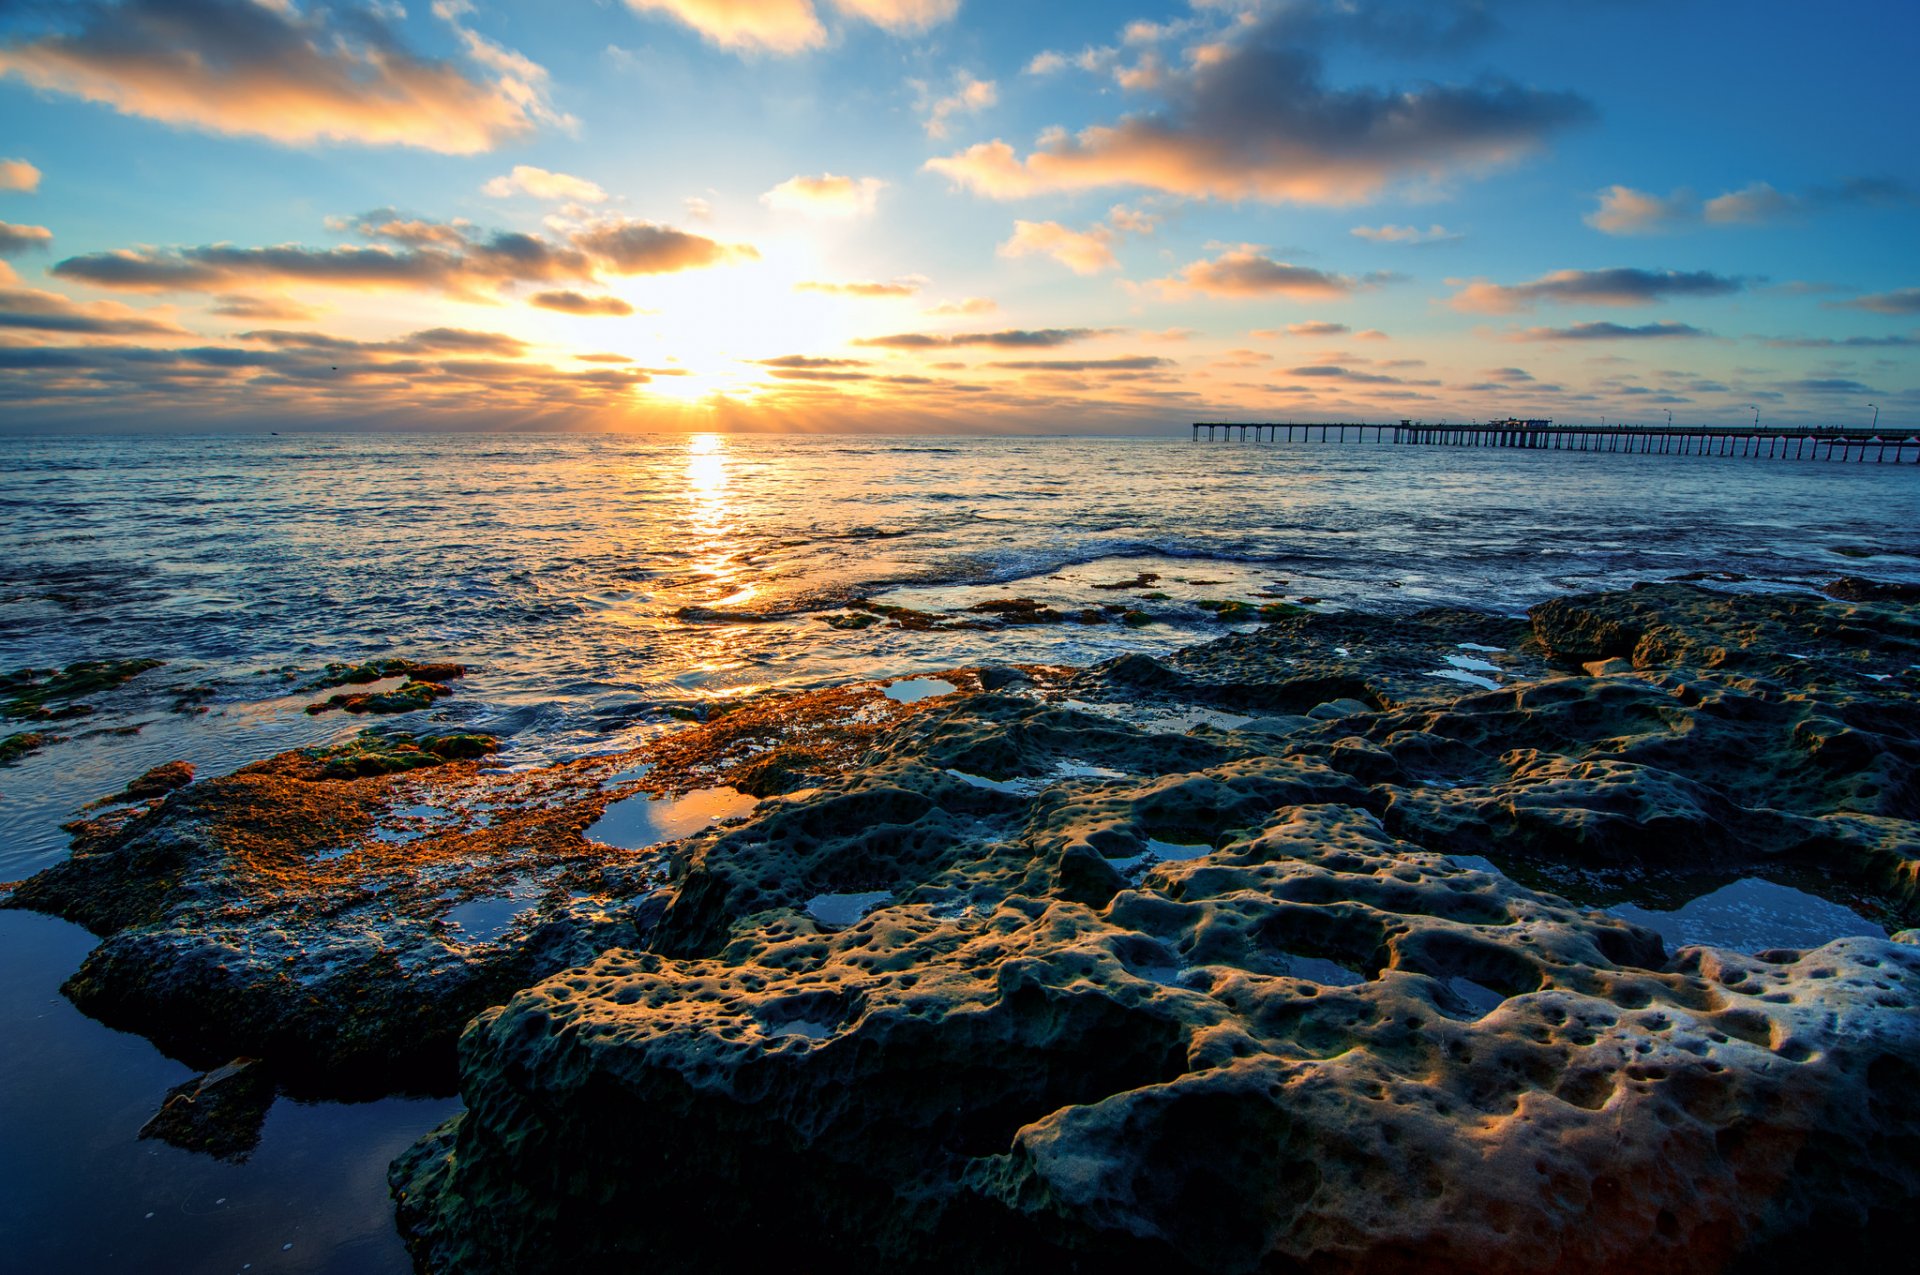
pixel 1253 996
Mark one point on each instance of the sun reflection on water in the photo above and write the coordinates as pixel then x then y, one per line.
pixel 715 544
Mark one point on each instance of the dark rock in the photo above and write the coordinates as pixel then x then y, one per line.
pixel 1855 589
pixel 31 694
pixel 219 1114
pixel 160 781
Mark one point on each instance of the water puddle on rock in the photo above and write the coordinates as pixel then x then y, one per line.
pixel 484 920
pixel 408 815
pixel 642 820
pixel 1466 679
pixel 1133 867
pixel 842 910
pixel 1752 915
pixel 1317 969
pixel 914 689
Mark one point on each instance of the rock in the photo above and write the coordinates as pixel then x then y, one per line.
pixel 219 1114
pixel 1247 1008
pixel 379 670
pixel 24 743
pixel 1606 668
pixel 160 781
pixel 31 694
pixel 1334 709
pixel 409 697
pixel 1855 589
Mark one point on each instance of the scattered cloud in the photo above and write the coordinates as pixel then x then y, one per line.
pixel 435 256
pixel 1318 327
pixel 293 75
pixel 1435 233
pixel 827 195
pixel 698 209
pixel 748 26
pixel 262 309
pixel 1249 116
pixel 1246 272
pixel 525 179
pixel 19 175
pixel 1626 211
pixel 1899 301
pixel 567 302
pixel 1843 342
pixel 1081 251
pixel 965 305
pixel 904 16
pixel 1016 338
pixel 15 240
pixel 791 26
pixel 1129 363
pixel 897 288
pixel 1610 332
pixel 30 309
pixel 1620 286
pixel 970 96
pixel 808 361
pixel 626 246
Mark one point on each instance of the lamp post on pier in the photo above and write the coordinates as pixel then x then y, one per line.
pixel 1756 415
pixel 1876 415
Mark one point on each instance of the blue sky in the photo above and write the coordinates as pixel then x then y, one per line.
pixel 953 215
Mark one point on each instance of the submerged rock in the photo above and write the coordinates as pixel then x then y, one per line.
pixel 219 1114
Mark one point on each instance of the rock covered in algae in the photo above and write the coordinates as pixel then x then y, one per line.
pixel 1250 1000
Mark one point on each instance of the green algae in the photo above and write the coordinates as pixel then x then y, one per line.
pixel 374 752
pixel 45 694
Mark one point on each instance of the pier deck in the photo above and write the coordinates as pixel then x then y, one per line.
pixel 1883 444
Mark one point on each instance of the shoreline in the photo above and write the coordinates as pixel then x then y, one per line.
pixel 1025 801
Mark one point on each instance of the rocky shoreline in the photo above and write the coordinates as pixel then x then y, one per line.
pixel 1280 953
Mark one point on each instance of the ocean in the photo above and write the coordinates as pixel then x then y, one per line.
pixel 603 588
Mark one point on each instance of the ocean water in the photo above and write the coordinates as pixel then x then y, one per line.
pixel 595 584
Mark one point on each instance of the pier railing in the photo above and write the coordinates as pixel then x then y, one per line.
pixel 1777 443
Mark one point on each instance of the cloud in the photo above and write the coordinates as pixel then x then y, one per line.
pixel 1083 252
pixel 901 15
pixel 1843 342
pixel 32 310
pixel 18 174
pixel 966 305
pixel 1828 385
pixel 325 72
pixel 969 97
pixel 626 246
pixel 1009 339
pixel 898 288
pixel 1626 211
pixel 1250 117
pixel 1129 363
pixel 579 303
pixel 1407 234
pixel 807 361
pixel 758 26
pixel 15 240
pixel 1899 301
pixel 1046 63
pixel 429 340
pixel 1317 328
pixel 1621 286
pixel 430 256
pixel 271 309
pixel 1245 272
pixel 827 195
pixel 525 179
pixel 1610 332
pixel 791 26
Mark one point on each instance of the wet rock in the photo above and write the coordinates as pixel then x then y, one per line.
pixel 160 781
pixel 1607 668
pixel 24 743
pixel 379 670
pixel 1855 589
pixel 410 696
pixel 1238 1002
pixel 43 695
pixel 218 1114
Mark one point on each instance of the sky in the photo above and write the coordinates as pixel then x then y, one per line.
pixel 955 216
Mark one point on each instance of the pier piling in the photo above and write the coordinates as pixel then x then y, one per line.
pixel 1882 444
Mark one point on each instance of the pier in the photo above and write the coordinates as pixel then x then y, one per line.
pixel 1879 445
